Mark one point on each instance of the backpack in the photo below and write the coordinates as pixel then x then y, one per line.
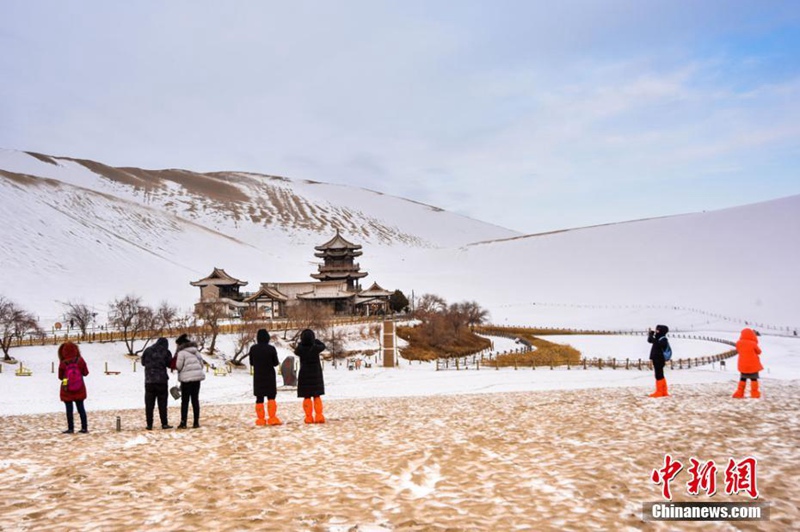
pixel 73 376
pixel 667 350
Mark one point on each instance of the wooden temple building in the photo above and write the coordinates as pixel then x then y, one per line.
pixel 221 287
pixel 337 287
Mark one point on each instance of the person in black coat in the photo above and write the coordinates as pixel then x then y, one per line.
pixel 310 383
pixel 660 343
pixel 156 359
pixel 263 359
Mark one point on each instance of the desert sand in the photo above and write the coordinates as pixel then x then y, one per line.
pixel 554 460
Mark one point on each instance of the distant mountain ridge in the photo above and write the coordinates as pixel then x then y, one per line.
pixel 75 221
pixel 227 200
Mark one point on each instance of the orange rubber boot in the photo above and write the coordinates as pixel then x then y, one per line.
pixel 754 393
pixel 658 388
pixel 308 408
pixel 664 392
pixel 739 393
pixel 272 409
pixel 319 418
pixel 260 414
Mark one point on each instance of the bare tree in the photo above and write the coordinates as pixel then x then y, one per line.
pixel 212 312
pixel 335 342
pixel 167 316
pixel 307 315
pixel 15 323
pixel 430 304
pixel 246 335
pixel 133 319
pixel 81 314
pixel 476 315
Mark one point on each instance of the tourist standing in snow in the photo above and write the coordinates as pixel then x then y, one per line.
pixel 71 371
pixel 310 383
pixel 263 359
pixel 660 344
pixel 191 371
pixel 749 363
pixel 156 359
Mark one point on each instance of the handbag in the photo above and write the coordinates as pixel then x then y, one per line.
pixel 176 392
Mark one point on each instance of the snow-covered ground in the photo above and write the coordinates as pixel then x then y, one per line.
pixel 38 393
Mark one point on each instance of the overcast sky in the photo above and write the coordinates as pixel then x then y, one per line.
pixel 530 115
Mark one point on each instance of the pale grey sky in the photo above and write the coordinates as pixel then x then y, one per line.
pixel 531 115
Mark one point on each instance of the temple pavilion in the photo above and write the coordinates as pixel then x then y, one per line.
pixel 219 286
pixel 338 255
pixel 337 287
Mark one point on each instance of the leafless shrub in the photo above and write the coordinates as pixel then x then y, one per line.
pixel 15 323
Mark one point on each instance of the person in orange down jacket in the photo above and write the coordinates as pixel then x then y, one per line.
pixel 263 359
pixel 71 371
pixel 310 383
pixel 749 364
pixel 660 343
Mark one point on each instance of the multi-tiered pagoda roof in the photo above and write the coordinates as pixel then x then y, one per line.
pixel 338 254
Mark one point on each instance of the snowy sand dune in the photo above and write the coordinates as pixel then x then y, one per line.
pixel 555 460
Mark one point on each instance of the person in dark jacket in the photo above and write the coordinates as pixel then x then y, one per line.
pixel 156 359
pixel 70 359
pixel 263 359
pixel 660 344
pixel 310 383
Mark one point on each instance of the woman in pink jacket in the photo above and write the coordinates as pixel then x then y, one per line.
pixel 749 363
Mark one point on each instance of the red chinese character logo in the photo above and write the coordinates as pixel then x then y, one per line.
pixel 741 477
pixel 704 478
pixel 666 474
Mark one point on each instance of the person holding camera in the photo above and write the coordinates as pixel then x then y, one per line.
pixel 156 359
pixel 263 359
pixel 310 381
pixel 660 344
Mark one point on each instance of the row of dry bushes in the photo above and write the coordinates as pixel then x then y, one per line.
pixel 420 346
pixel 545 354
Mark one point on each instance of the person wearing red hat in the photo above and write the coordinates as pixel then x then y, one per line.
pixel 71 372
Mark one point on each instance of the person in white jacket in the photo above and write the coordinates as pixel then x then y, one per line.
pixel 191 371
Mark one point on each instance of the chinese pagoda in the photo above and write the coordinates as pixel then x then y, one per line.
pixel 338 255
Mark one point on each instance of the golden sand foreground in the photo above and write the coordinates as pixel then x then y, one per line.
pixel 565 460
